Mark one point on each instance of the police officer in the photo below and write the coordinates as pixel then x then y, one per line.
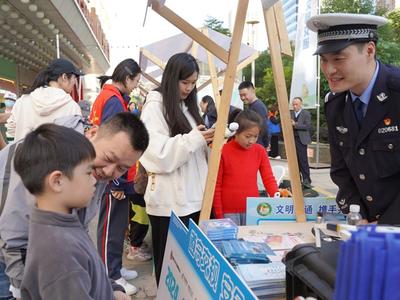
pixel 363 115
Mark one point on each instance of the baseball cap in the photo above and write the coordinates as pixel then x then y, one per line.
pixel 61 66
pixel 10 96
pixel 337 31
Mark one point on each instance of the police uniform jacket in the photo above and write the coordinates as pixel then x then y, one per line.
pixel 366 158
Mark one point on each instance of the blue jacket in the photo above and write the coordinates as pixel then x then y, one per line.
pixel 261 109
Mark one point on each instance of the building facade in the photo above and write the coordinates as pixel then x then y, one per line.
pixel 290 10
pixel 34 32
pixel 387 4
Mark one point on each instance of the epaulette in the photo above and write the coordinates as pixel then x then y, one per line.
pixel 330 96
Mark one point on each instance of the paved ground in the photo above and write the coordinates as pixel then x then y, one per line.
pixel 320 178
pixel 146 283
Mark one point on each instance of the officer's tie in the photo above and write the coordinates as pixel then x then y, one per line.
pixel 359 110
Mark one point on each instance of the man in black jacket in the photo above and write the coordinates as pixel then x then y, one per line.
pixel 363 115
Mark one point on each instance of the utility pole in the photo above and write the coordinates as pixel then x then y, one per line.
pixel 252 42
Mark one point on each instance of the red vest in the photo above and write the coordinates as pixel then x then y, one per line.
pixel 106 93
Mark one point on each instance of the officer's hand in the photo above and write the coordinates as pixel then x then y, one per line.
pixel 119 195
pixel 293 123
pixel 118 295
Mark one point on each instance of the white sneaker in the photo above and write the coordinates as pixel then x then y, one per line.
pixel 128 274
pixel 138 254
pixel 130 289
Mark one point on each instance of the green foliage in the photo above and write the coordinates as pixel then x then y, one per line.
pixel 389 39
pixel 265 84
pixel 261 64
pixel 394 19
pixel 267 91
pixel 348 6
pixel 216 25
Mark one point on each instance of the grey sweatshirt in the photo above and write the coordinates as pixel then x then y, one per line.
pixel 62 262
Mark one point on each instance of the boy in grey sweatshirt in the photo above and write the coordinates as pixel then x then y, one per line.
pixel 123 136
pixel 55 164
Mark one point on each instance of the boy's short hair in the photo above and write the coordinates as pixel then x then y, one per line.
pixel 131 125
pixel 48 148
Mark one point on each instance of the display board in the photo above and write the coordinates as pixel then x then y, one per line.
pixel 263 209
pixel 194 269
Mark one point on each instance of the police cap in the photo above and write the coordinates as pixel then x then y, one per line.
pixel 336 31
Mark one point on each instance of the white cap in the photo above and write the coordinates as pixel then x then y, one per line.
pixel 337 31
pixel 10 95
pixel 355 208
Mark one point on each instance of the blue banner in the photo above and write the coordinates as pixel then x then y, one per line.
pixel 194 269
pixel 261 209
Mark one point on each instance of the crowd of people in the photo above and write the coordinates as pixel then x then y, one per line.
pixel 171 141
pixel 147 169
pixel 132 163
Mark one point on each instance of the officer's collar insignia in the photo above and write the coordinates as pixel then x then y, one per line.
pixel 381 97
pixel 387 121
pixel 342 129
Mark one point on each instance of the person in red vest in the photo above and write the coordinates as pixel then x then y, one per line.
pixel 114 207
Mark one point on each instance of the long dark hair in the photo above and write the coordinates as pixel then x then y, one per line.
pixel 126 68
pixel 179 67
pixel 43 78
pixel 210 103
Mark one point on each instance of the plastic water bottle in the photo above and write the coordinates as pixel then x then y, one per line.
pixel 354 217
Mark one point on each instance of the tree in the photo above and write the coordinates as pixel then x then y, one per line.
pixel 265 84
pixel 348 6
pixel 394 19
pixel 261 64
pixel 267 91
pixel 216 25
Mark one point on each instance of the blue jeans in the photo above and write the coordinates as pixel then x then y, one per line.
pixel 4 284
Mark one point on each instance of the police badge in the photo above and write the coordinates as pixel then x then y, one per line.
pixel 342 129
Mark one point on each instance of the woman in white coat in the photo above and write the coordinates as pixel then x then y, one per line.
pixel 48 99
pixel 176 159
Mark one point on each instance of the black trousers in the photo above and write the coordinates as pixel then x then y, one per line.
pixel 159 232
pixel 301 151
pixel 139 221
pixel 274 145
pixel 113 222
